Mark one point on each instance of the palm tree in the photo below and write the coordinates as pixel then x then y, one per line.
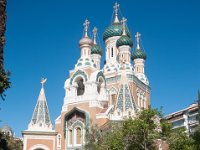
pixel 4 75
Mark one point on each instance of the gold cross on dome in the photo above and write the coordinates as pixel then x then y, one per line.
pixel 123 25
pixel 86 26
pixel 138 39
pixel 116 8
pixel 94 31
pixel 124 21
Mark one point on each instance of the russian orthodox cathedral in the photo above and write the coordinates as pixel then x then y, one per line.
pixel 94 95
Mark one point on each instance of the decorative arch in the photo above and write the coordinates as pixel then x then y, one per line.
pixel 78 128
pixel 70 113
pixel 79 81
pixel 100 74
pixel 113 90
pixel 79 73
pixel 39 147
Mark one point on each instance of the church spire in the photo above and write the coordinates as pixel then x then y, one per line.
pixel 125 104
pixel 116 9
pixel 41 119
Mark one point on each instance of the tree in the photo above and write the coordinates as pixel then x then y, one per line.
pixel 179 140
pixel 196 134
pixel 196 137
pixel 9 143
pixel 199 107
pixel 4 75
pixel 139 133
pixel 4 82
pixel 93 138
pixel 113 139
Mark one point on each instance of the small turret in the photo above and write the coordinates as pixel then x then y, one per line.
pixel 139 57
pixel 85 43
pixel 96 50
pixel 138 53
pixel 41 120
pixel 124 44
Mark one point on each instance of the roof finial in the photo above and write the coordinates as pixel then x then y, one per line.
pixel 116 8
pixel 43 81
pixel 86 26
pixel 124 25
pixel 138 39
pixel 95 35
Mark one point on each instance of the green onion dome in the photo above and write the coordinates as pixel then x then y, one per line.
pixel 96 49
pixel 124 40
pixel 138 54
pixel 114 30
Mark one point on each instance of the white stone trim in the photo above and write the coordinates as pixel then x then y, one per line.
pixel 39 146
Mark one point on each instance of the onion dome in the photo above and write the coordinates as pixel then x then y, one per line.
pixel 96 49
pixel 138 54
pixel 124 40
pixel 116 28
pixel 85 40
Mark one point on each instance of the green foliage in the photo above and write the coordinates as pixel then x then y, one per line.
pixel 139 133
pixel 113 139
pixel 166 129
pixel 199 106
pixel 179 140
pixel 93 138
pixel 9 143
pixel 196 137
pixel 4 82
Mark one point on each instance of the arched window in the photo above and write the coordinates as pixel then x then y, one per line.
pixel 81 86
pixel 78 135
pixel 99 85
pixel 112 52
pixel 70 137
pixel 113 98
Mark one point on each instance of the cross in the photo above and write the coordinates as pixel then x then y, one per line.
pixel 86 25
pixel 116 8
pixel 123 25
pixel 43 81
pixel 138 39
pixel 94 31
pixel 123 21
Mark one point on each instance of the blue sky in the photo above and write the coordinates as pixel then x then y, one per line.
pixel 42 41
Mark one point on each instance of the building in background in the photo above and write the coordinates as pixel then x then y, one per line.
pixel 94 95
pixel 186 118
